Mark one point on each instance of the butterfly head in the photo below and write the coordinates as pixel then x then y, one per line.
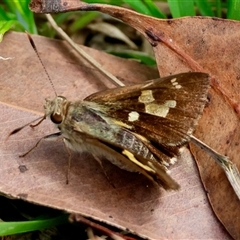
pixel 56 109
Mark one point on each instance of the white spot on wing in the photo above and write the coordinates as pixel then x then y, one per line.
pixel 146 96
pixel 173 160
pixel 148 100
pixel 175 83
pixel 133 116
pixel 166 164
pixel 160 110
pixel 170 103
pixel 157 110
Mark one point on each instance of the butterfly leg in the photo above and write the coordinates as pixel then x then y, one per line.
pixel 105 173
pixel 53 135
pixel 69 160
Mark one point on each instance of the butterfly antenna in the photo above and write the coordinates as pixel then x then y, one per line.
pixel 36 51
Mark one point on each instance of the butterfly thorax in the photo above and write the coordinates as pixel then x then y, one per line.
pixel 89 120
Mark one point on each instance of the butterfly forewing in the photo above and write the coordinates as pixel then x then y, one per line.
pixel 164 110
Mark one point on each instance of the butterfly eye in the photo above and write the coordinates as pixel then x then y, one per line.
pixel 56 118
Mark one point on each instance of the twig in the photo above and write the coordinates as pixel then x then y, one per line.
pixel 82 53
pixel 74 217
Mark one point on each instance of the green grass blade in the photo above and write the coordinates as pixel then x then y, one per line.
pixel 9 228
pixel 233 7
pixel 5 26
pixel 83 20
pixel 219 8
pixel 22 14
pixel 60 18
pixel 111 2
pixel 139 56
pixel 204 7
pixel 142 6
pixel 138 6
pixel 181 8
pixel 154 10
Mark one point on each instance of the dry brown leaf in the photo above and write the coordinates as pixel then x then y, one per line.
pixel 135 203
pixel 197 44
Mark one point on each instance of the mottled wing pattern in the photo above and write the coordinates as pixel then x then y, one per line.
pixel 164 110
pixel 155 119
